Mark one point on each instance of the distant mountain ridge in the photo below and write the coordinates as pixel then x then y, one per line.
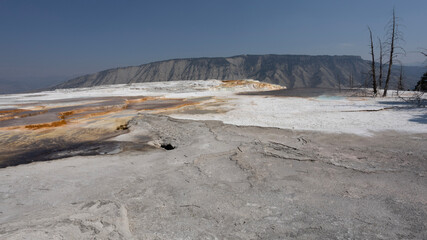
pixel 291 71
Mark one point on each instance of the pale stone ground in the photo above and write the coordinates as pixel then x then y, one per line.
pixel 224 182
pixel 318 167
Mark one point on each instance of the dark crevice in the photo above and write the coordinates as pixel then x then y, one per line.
pixel 167 146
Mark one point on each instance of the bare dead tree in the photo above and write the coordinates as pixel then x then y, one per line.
pixel 350 80
pixel 339 82
pixel 380 77
pixel 365 84
pixel 390 61
pixel 400 82
pixel 374 79
pixel 394 35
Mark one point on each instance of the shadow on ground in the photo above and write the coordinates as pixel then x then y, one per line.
pixel 304 92
pixel 407 104
pixel 422 118
pixel 399 105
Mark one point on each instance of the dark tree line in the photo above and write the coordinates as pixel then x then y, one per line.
pixel 422 84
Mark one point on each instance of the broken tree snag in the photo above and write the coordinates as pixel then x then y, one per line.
pixel 392 38
pixel 374 81
pixel 380 77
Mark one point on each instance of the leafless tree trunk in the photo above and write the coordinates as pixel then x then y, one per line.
pixel 374 79
pixel 380 77
pixel 390 61
pixel 400 82
pixel 365 90
pixel 350 80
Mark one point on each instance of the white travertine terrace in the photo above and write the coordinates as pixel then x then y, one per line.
pixel 357 115
pixel 106 163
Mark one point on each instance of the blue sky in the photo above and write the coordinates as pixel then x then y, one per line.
pixel 65 38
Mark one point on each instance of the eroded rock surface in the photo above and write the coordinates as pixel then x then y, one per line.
pixel 292 71
pixel 223 182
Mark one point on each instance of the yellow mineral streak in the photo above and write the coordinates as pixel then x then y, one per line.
pixel 250 83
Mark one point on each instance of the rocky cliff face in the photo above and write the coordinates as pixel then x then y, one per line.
pixel 289 70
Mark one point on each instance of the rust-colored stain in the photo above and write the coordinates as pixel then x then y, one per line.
pixel 50 125
pixel 211 105
pixel 46 125
pixel 10 111
pixel 20 113
pixel 34 141
pixel 51 114
pixel 80 113
pixel 89 112
pixel 254 84
pixel 63 115
pixel 138 100
pixel 185 104
pixel 45 115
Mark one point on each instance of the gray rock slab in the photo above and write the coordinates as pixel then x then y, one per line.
pixel 224 182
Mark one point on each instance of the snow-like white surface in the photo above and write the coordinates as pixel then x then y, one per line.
pixel 171 89
pixel 345 115
pixel 166 89
pixel 323 113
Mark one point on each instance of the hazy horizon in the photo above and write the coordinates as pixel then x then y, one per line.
pixel 67 39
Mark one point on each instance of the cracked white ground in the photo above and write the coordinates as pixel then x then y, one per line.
pixel 271 167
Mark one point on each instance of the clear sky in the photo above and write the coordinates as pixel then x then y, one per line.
pixel 64 38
